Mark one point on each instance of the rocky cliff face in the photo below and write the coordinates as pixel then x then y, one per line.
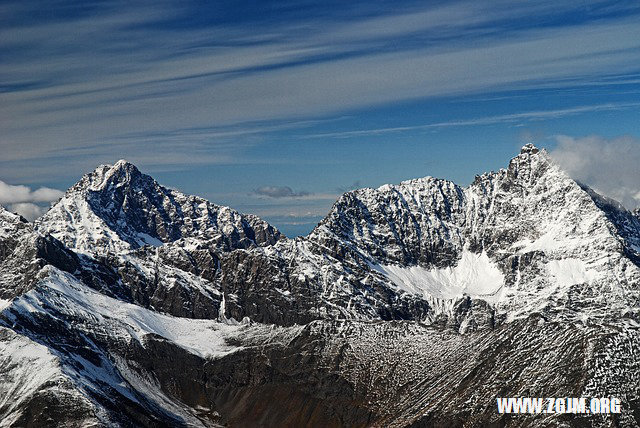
pixel 409 305
pixel 527 238
pixel 117 208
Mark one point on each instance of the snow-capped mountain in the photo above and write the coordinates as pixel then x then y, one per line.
pixel 117 208
pixel 526 238
pixel 176 253
pixel 415 304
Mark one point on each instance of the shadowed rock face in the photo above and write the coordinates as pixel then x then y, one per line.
pixel 418 304
pixel 529 219
pixel 345 373
pixel 118 208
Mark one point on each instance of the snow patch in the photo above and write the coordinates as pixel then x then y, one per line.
pixel 26 367
pixel 570 271
pixel 205 338
pixel 146 239
pixel 474 275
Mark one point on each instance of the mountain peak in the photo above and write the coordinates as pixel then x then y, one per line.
pixel 531 154
pixel 10 222
pixel 123 171
pixel 122 163
pixel 529 149
pixel 125 165
pixel 118 208
pixel 107 176
pixel 531 164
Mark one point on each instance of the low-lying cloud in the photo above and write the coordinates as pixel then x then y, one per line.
pixel 10 194
pixel 609 166
pixel 27 210
pixel 280 192
pixel 25 201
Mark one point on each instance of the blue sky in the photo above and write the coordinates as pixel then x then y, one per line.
pixel 277 107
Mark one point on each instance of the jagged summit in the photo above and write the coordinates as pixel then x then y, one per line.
pixel 120 173
pixel 529 148
pixel 6 215
pixel 530 165
pixel 118 208
pixel 487 286
pixel 122 163
pixel 513 233
pixel 502 239
pixel 421 221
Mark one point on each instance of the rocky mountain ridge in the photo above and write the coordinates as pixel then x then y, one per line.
pixel 117 208
pixel 408 305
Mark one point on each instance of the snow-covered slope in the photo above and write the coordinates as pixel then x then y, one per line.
pixel 524 239
pixel 544 240
pixel 117 208
pixel 11 224
pixel 474 275
pixel 79 339
pixel 411 304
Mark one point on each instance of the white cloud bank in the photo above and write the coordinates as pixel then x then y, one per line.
pixel 26 202
pixel 609 166
pixel 28 210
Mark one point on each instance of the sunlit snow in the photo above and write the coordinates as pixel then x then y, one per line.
pixel 570 271
pixel 201 337
pixel 474 275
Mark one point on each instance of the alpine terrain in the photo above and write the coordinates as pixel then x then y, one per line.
pixel 416 304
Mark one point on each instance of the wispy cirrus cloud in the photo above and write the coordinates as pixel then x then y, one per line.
pixel 112 69
pixel 530 116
